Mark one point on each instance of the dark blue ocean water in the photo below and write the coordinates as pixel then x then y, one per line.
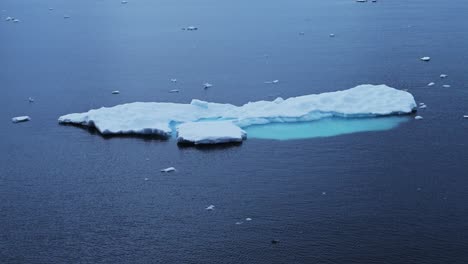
pixel 70 196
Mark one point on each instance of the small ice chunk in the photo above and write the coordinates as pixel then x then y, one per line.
pixel 31 100
pixel 170 169
pixel 248 219
pixel 275 81
pixel 465 116
pixel 239 223
pixel 324 193
pixel 124 2
pixel 66 16
pixel 332 35
pixel 431 84
pixel 191 28
pixel 210 133
pixel 443 76
pixel 8 18
pixel 174 91
pixel 210 207
pixel 426 58
pixel 207 85
pixel 16 20
pixel 19 119
pixel 50 9
pixel 418 117
pixel 146 179
pixel 422 106
pixel 174 80
pixel 446 86
pixel 115 92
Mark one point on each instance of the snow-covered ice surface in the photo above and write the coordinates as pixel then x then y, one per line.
pixel 163 118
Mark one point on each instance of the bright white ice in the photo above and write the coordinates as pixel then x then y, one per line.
pixel 164 118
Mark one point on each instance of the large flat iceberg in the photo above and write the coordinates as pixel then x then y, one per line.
pixel 163 119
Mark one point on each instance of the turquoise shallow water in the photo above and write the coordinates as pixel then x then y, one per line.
pixel 323 128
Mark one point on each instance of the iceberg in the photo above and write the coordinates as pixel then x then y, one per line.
pixel 206 122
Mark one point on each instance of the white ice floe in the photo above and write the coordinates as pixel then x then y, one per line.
pixel 248 219
pixel 446 86
pixel 8 18
pixel 332 35
pixel 16 20
pixel 209 133
pixel 422 106
pixel 116 92
pixel 465 116
pixel 124 2
pixel 418 117
pixel 443 76
pixel 19 119
pixel 207 85
pixel 31 100
pixel 170 169
pixel 210 207
pixel 164 118
pixel 426 58
pixel 174 80
pixel 431 84
pixel 272 82
pixel 174 91
pixel 191 28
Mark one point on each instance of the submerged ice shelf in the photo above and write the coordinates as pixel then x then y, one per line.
pixel 203 122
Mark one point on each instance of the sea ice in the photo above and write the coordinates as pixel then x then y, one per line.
pixel 210 207
pixel 446 86
pixel 443 76
pixel 418 117
pixel 19 119
pixel 174 91
pixel 115 92
pixel 203 117
pixel 207 85
pixel 431 84
pixel 426 58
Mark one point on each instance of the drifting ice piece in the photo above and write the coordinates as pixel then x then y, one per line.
pixel 210 207
pixel 426 58
pixel 431 84
pixel 170 169
pixel 418 117
pixel 443 76
pixel 115 92
pixel 19 119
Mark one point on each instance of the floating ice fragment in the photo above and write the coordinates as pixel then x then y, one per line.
pixel 16 20
pixel 426 58
pixel 465 116
pixel 239 223
pixel 174 80
pixel 146 179
pixel 124 2
pixel 332 35
pixel 170 169
pixel 31 100
pixel 209 133
pixel 190 28
pixel 115 92
pixel 418 117
pixel 174 91
pixel 210 207
pixel 443 76
pixel 422 106
pixel 248 219
pixel 446 86
pixel 19 119
pixel 324 193
pixel 8 18
pixel 272 82
pixel 207 85
pixel 431 84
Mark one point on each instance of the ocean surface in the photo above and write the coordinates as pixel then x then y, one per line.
pixel 393 195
